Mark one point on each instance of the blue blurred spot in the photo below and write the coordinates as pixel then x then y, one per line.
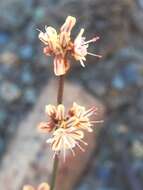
pixel 118 82
pixel 26 52
pixel 130 74
pixel 30 96
pixel 27 77
pixel 104 173
pixel 4 38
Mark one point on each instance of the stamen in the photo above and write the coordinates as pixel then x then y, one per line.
pixel 101 121
pixel 64 152
pixel 82 63
pixel 46 27
pixel 54 155
pixel 93 54
pixel 90 112
pixel 80 147
pixel 83 142
pixel 69 146
pixel 92 40
pixel 38 30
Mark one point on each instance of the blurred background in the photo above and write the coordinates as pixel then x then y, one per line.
pixel 116 79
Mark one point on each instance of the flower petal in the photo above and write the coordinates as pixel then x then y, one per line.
pixel 51 32
pixel 45 127
pixel 43 37
pixel 43 186
pixel 60 112
pixel 50 110
pixel 69 24
pixel 64 139
pixel 28 187
pixel 61 65
pixel 47 51
pixel 64 39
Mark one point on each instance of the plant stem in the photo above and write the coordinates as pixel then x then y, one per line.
pixel 60 90
pixel 56 159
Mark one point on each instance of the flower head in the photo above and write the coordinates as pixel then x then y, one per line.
pixel 80 47
pixel 81 117
pixel 61 46
pixel 67 128
pixel 57 45
pixel 66 139
pixel 42 186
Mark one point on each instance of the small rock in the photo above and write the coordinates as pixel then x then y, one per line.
pixel 30 96
pixel 104 173
pixel 8 58
pixel 26 52
pixel 9 91
pixel 27 77
pixel 4 38
pixel 118 82
pixel 131 74
pixel 137 149
pixel 39 14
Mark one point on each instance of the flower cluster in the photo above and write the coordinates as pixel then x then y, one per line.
pixel 67 129
pixel 42 186
pixel 60 45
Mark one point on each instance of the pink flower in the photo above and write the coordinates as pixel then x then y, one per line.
pixel 67 128
pixel 62 47
pixel 57 45
pixel 80 47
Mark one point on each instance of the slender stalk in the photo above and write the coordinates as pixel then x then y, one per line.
pixel 56 159
pixel 60 89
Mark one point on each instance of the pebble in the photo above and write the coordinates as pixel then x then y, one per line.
pixel 9 91
pixel 104 173
pixel 131 74
pixel 27 77
pixel 4 38
pixel 137 149
pixel 26 52
pixel 118 82
pixel 30 96
pixel 8 57
pixel 39 14
pixel 127 76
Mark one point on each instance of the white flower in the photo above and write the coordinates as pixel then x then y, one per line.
pixel 66 139
pixel 81 46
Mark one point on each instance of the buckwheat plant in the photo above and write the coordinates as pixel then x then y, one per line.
pixel 66 126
